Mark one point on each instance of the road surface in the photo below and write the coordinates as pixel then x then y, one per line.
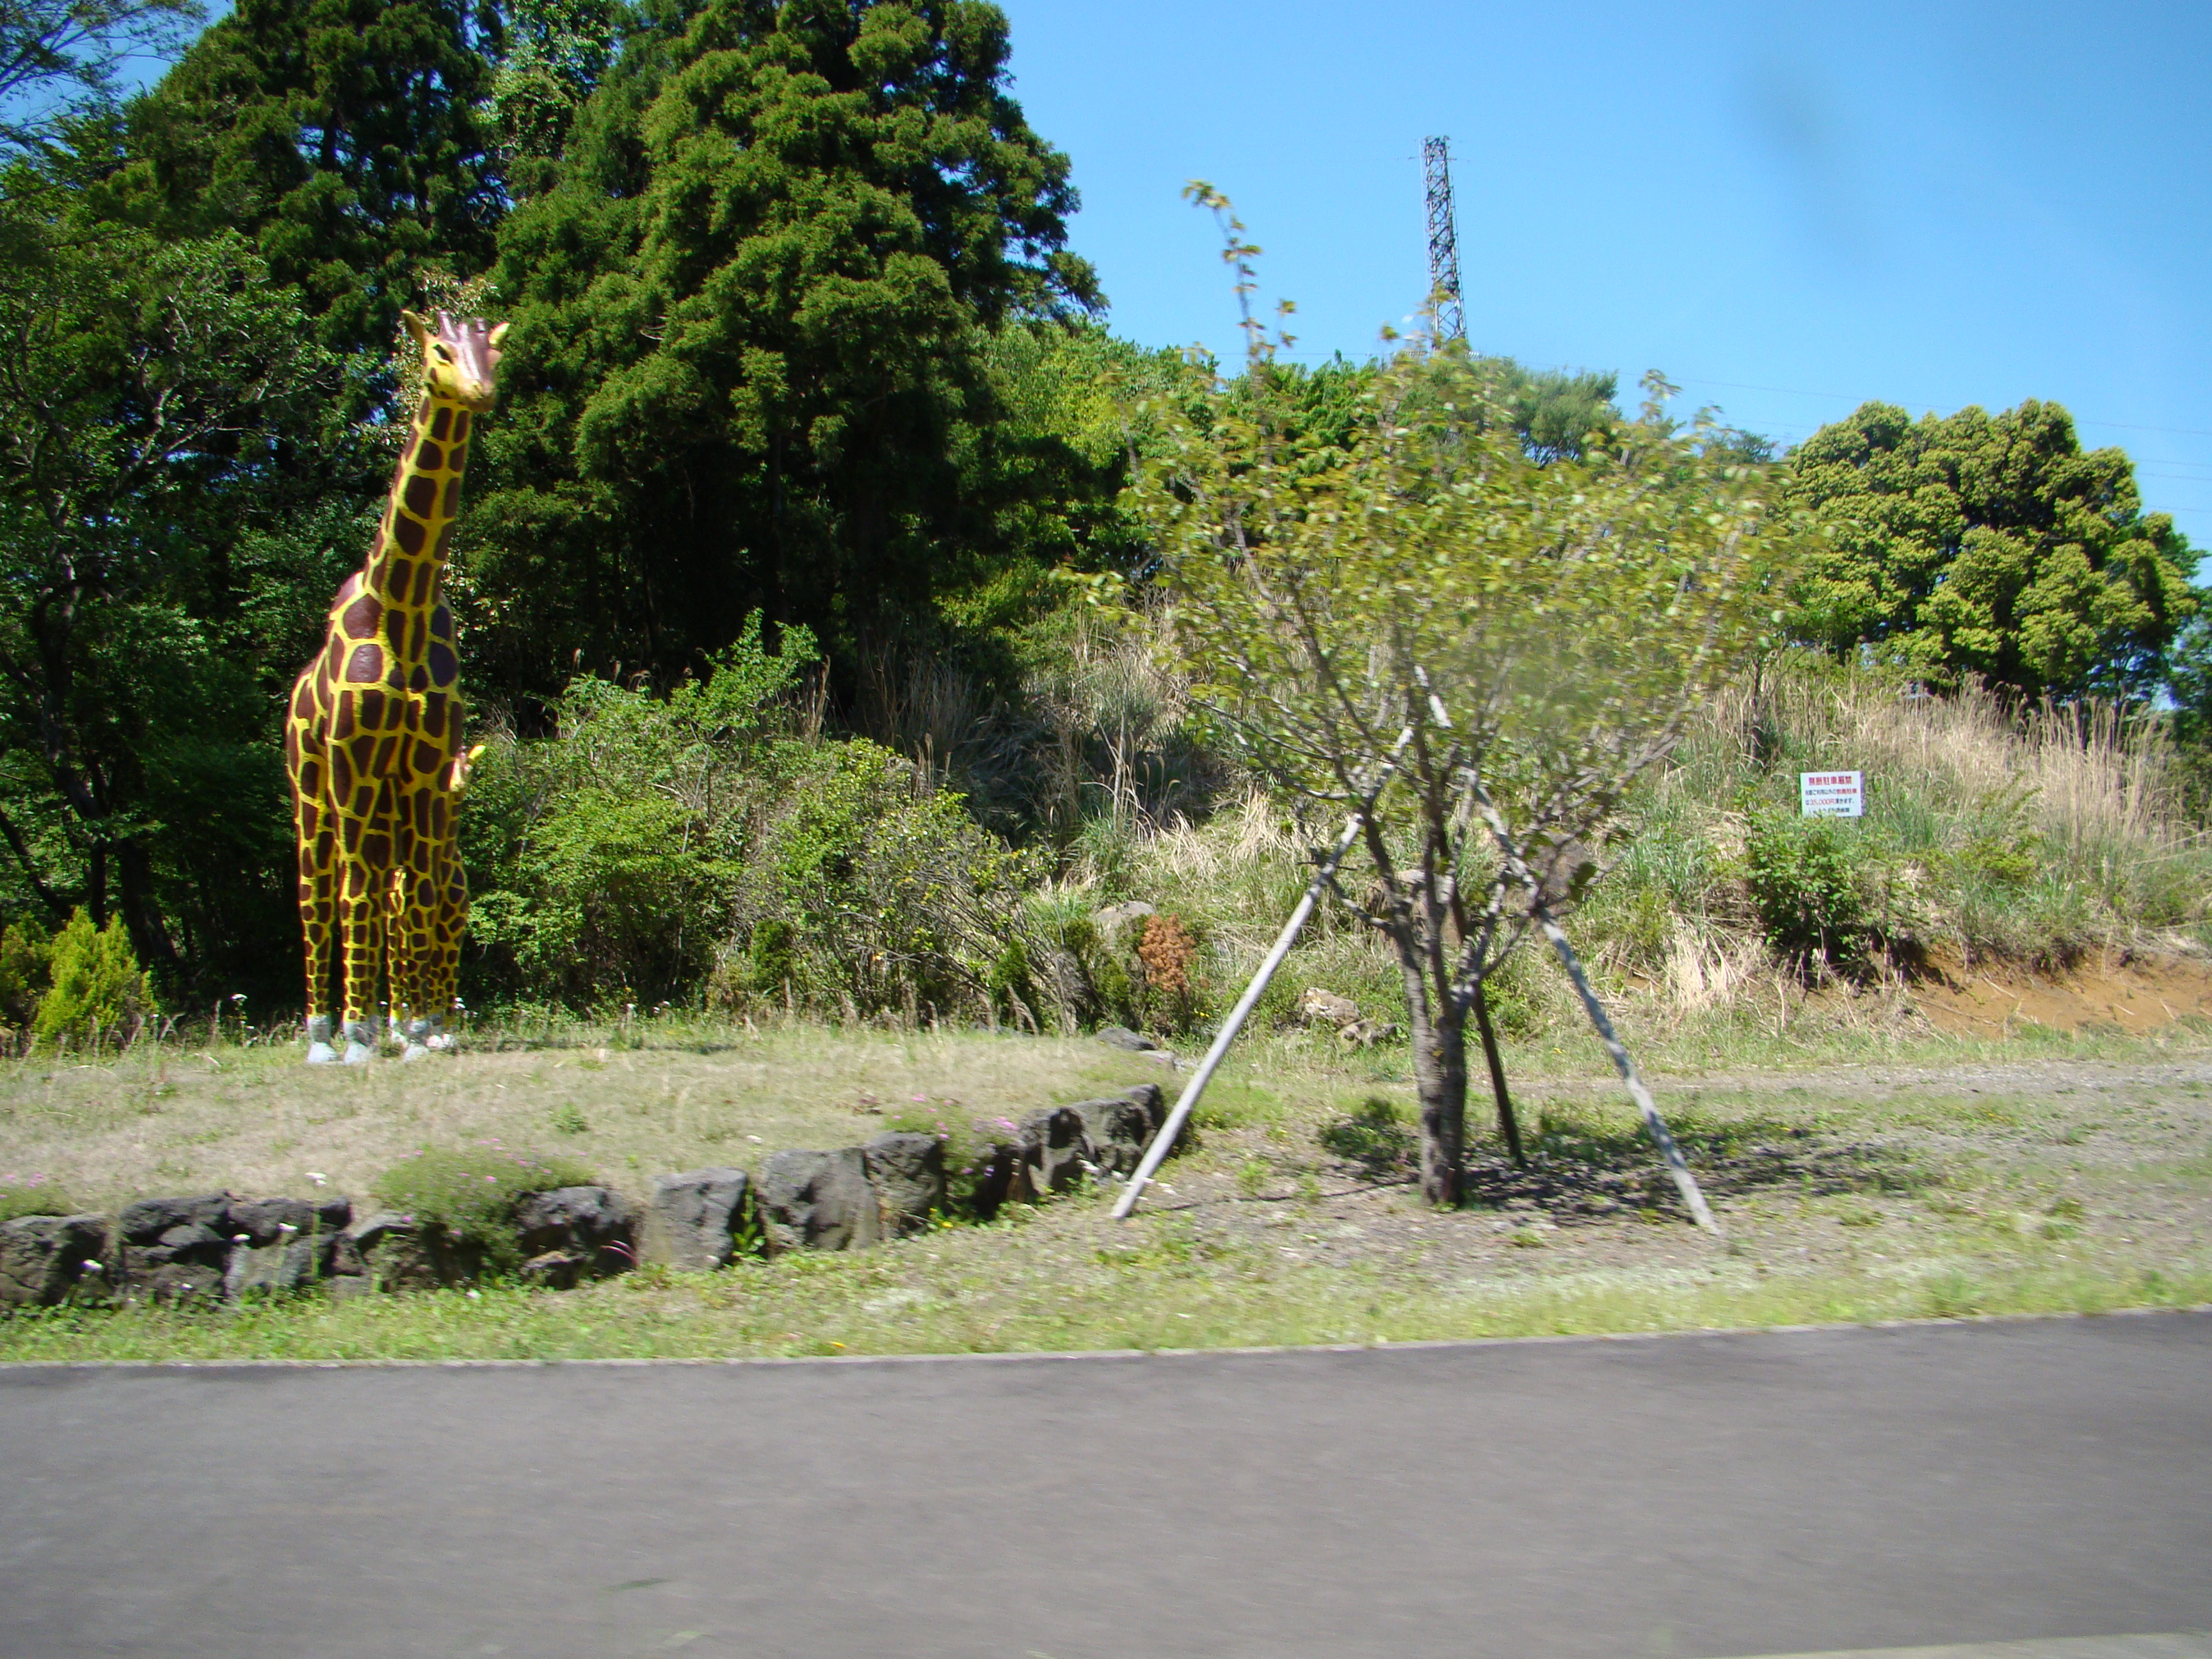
pixel 1673 1497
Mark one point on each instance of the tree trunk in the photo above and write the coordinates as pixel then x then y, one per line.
pixel 1439 1045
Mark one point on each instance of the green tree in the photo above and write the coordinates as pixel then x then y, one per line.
pixel 143 385
pixel 96 985
pixel 1989 544
pixel 57 55
pixel 349 140
pixel 749 357
pixel 1513 638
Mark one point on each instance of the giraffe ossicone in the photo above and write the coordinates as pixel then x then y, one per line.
pixel 373 739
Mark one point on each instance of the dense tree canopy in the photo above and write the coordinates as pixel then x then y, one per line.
pixel 1989 544
pixel 143 383
pixel 749 364
pixel 347 139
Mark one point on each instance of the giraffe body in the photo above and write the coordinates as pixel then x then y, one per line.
pixel 373 738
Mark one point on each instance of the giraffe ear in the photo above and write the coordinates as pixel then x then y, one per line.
pixel 498 334
pixel 415 326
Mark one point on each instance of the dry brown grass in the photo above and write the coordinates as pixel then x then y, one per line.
pixel 2091 776
pixel 256 1120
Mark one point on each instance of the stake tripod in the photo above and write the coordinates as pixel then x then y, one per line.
pixel 1685 1182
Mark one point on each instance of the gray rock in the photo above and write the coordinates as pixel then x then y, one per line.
pixel 1120 1036
pixel 174 1249
pixel 591 1230
pixel 422 1259
pixel 819 1202
pixel 1153 1102
pixel 264 1220
pixel 274 1269
pixel 43 1257
pixel 144 1222
pixel 907 1172
pixel 1114 1133
pixel 697 1217
pixel 371 1230
pixel 1115 918
pixel 1051 1147
pixel 1000 1173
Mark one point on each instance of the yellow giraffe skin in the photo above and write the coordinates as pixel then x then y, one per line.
pixel 373 736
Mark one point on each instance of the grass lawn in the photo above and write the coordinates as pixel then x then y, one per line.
pixel 1855 1181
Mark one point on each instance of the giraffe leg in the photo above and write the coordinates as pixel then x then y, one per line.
pixel 414 893
pixel 314 826
pixel 450 920
pixel 365 866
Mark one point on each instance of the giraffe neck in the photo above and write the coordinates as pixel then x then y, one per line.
pixel 407 564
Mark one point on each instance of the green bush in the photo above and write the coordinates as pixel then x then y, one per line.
pixel 96 985
pixel 33 1195
pixel 26 971
pixel 1805 882
pixel 470 1193
pixel 699 848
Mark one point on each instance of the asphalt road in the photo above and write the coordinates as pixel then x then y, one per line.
pixel 1663 1499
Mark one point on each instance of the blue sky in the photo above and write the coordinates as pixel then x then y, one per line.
pixel 1789 209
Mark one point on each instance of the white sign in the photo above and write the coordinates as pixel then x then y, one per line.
pixel 1831 794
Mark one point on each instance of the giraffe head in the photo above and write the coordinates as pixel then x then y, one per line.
pixel 459 359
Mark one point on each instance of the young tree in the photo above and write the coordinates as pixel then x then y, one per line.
pixel 1989 544
pixel 1478 651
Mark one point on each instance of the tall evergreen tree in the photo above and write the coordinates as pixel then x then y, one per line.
pixel 348 139
pixel 750 332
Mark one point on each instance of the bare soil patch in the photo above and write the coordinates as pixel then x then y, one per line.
pixel 2131 991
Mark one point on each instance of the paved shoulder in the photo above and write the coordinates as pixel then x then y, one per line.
pixel 1791 1492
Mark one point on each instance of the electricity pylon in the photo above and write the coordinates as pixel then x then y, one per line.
pixel 1444 241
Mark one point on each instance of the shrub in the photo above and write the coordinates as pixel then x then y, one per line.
pixel 470 1193
pixel 1805 883
pixel 26 970
pixel 1169 951
pixel 33 1195
pixel 97 984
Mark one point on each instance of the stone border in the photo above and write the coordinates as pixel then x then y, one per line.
pixel 222 1247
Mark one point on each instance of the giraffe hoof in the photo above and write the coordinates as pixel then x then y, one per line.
pixel 359 1053
pixel 415 1051
pixel 321 1054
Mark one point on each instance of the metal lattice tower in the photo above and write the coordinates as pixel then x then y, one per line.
pixel 1444 239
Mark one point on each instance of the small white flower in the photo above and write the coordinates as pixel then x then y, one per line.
pixel 92 1267
pixel 286 1227
pixel 476 1296
pixel 242 1238
pixel 756 1139
pixel 317 1177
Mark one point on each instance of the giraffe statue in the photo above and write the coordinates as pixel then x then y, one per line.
pixel 372 739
